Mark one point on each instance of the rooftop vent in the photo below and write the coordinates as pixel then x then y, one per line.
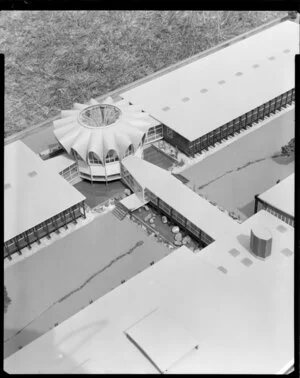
pixel 222 269
pixel 261 241
pixel 271 58
pixel 247 262
pixel 166 108
pixel 281 228
pixel 239 74
pixel 7 185
pixel 204 90
pixel 286 51
pixel 32 174
pixel 221 82
pixel 286 252
pixel 255 65
pixel 234 252
pixel 185 99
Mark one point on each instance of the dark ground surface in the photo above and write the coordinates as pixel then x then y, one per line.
pixel 98 192
pixel 155 157
pixel 232 176
pixel 61 279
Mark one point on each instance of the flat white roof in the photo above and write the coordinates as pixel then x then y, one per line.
pixel 189 204
pixel 32 192
pixel 243 319
pixel 162 339
pixel 203 95
pixel 60 162
pixel 281 195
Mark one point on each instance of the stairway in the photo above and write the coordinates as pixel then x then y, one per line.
pixel 120 211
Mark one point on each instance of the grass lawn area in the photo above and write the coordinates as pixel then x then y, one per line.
pixel 232 176
pixel 63 278
pixel 98 192
pixel 53 59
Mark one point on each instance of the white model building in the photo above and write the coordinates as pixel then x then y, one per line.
pixel 100 135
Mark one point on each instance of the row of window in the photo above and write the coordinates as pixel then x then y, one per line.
pixel 70 173
pixel 154 133
pixel 111 156
pixel 41 230
pixel 246 120
pixel 277 214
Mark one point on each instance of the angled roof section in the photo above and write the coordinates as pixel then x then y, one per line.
pixel 101 127
pixel 32 198
pixel 245 70
pixel 189 204
pixel 162 339
pixel 281 195
pixel 243 319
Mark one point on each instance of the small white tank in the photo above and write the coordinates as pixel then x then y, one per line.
pixel 261 241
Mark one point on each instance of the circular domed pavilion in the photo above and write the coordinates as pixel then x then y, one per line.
pixel 100 135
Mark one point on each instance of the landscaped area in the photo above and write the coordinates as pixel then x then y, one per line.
pixel 154 156
pixel 151 221
pixel 232 176
pixel 56 282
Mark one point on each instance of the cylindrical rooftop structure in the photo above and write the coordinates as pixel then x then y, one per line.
pixel 261 241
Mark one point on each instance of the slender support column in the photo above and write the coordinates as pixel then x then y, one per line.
pixel 47 230
pixel 200 236
pixel 83 208
pixel 65 219
pixel 56 225
pixel 18 245
pixel 7 251
pixel 27 240
pixel 36 233
pixel 73 214
pixel 256 203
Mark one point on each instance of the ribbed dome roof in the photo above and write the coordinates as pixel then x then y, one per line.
pixel 100 127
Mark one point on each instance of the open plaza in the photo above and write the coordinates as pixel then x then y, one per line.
pixel 152 230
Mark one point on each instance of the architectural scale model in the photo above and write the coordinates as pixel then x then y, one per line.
pixel 219 299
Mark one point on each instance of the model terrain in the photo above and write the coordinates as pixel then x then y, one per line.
pixel 151 230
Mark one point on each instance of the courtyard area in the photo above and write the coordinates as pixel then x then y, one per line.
pixel 66 276
pixel 99 192
pixel 151 221
pixel 232 176
pixel 154 156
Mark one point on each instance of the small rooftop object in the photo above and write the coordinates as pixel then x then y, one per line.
pixel 234 252
pixel 185 99
pixel 247 262
pixel 286 252
pixel 222 269
pixel 204 90
pixel 32 173
pixel 261 241
pixel 239 74
pixel 7 185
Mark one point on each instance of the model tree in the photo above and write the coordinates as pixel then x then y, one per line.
pixel 7 300
pixel 289 148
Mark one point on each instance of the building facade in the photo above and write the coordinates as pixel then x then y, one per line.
pixel 225 131
pixel 44 229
